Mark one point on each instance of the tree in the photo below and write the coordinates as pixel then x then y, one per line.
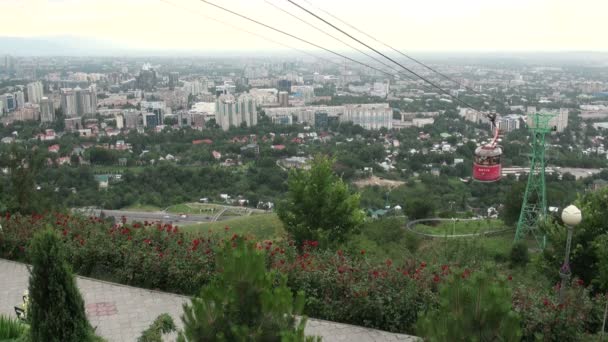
pixel 587 257
pixel 163 324
pixel 319 205
pixel 245 303
pixel 56 309
pixel 418 209
pixel 471 308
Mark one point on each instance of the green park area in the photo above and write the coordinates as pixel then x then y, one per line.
pixel 262 227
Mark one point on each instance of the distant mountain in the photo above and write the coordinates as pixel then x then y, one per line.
pixel 58 46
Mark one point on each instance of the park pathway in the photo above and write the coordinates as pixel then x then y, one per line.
pixel 121 313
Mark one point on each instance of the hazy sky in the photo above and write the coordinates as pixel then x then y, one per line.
pixel 413 25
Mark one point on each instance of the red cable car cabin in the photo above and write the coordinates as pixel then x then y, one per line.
pixel 487 165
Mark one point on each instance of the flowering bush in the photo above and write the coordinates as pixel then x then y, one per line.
pixel 141 254
pixel 545 319
pixel 350 289
pixel 339 287
pixel 475 305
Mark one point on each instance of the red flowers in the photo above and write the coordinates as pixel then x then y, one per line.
pixel 310 243
pixel 436 279
pixel 510 277
pixel 388 262
pixel 195 244
pixel 147 241
pixel 580 282
pixel 363 252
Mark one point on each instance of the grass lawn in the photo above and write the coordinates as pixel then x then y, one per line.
pixel 194 208
pixel 460 227
pixel 142 207
pixel 267 226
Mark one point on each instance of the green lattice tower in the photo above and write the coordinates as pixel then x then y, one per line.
pixel 534 205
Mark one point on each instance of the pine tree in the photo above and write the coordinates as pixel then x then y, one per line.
pixel 473 307
pixel 244 303
pixel 56 307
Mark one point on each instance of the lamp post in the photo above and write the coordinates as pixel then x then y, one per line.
pixel 571 216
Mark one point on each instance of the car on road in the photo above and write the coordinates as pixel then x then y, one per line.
pixel 167 216
pixel 183 216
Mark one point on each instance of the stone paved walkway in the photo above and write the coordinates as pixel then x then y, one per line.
pixel 121 313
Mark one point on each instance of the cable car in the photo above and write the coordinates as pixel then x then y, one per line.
pixel 487 165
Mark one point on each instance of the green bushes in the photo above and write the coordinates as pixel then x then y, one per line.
pixel 163 324
pixel 353 289
pixel 519 255
pixel 12 329
pixel 245 302
pixel 545 319
pixel 319 205
pixel 472 306
pixel 56 309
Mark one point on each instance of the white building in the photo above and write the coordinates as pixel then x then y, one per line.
pixel 473 116
pixel 305 93
pixel 509 123
pixel 230 111
pixel 265 95
pixel 47 110
pixel 559 121
pixel 34 92
pixel 369 116
pixel 68 103
pixel 78 102
pixel 20 99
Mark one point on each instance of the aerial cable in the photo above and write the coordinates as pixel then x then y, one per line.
pixel 300 39
pixel 385 56
pixel 305 41
pixel 252 33
pixel 345 43
pixel 332 36
pixel 395 50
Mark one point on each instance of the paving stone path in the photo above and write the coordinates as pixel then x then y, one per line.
pixel 121 313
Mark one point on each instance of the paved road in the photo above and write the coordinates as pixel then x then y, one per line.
pixel 121 313
pixel 149 216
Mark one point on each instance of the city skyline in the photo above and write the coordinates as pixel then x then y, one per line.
pixel 437 25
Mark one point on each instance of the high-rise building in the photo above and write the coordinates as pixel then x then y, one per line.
pixel 146 79
pixel 509 123
pixel 8 63
pixel 9 103
pixel 19 99
pixel 284 85
pixel 321 120
pixel 78 102
pixel 559 122
pixel 133 119
pixel 371 116
pixel 304 92
pixel 34 92
pixel 173 79
pixel 232 112
pixel 68 103
pixel 86 101
pixel 283 99
pixel 47 110
pixel 151 120
pixel 247 107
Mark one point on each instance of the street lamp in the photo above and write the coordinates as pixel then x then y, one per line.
pixel 571 216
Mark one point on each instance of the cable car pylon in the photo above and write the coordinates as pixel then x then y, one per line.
pixel 534 205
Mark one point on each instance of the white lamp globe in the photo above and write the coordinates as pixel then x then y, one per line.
pixel 571 215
